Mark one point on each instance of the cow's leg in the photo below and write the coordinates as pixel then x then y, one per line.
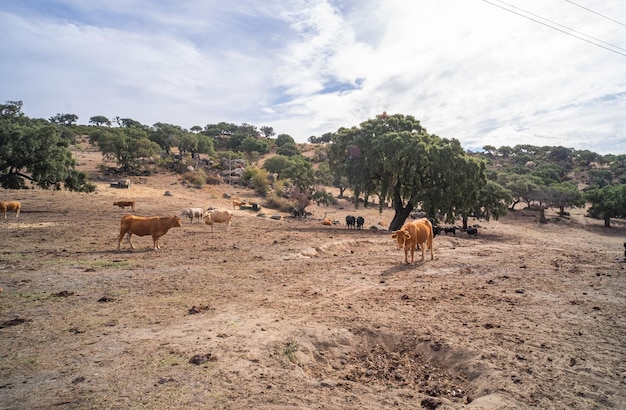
pixel 129 241
pixel 155 240
pixel 119 239
pixel 432 251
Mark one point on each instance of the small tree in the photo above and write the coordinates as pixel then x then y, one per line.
pixel 99 120
pixel 129 147
pixel 64 119
pixel 259 179
pixel 283 139
pixel 607 202
pixel 493 201
pixel 267 131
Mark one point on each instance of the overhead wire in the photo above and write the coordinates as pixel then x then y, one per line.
pixel 567 30
pixel 595 12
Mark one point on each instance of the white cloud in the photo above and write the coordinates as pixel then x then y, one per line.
pixel 467 70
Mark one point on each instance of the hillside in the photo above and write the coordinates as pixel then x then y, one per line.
pixel 290 313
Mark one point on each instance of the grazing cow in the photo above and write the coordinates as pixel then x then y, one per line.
pixel 191 213
pixel 350 221
pixel 413 234
pixel 360 221
pixel 472 232
pixel 156 226
pixel 451 230
pixel 218 216
pixel 238 203
pixel 437 230
pixel 10 206
pixel 124 204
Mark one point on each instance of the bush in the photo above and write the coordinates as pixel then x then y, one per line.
pixel 214 179
pixel 278 203
pixel 196 178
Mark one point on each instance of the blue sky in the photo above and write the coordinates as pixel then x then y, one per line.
pixel 466 69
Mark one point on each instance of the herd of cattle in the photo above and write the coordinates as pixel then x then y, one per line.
pixel 417 234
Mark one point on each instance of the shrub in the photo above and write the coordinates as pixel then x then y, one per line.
pixel 279 203
pixel 196 178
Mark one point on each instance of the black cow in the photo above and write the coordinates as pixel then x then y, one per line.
pixel 350 221
pixel 472 232
pixel 360 221
pixel 451 230
pixel 437 230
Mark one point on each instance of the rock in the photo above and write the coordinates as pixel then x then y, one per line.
pixel 430 403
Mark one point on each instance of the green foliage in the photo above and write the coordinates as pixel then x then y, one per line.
pixel 196 178
pixel 325 138
pixel 290 350
pixel 252 144
pixel 99 120
pixel 267 131
pixel 607 202
pixel 323 175
pixel 129 147
pixel 277 164
pixel 275 201
pixel 599 177
pixel 493 201
pixel 550 173
pixel 288 149
pixel 78 181
pixel 35 150
pixel 322 197
pixel 259 179
pixel 394 157
pixel 64 119
pixel 283 139
pixel 168 136
pixel 300 173
pixel 520 186
pixel 566 195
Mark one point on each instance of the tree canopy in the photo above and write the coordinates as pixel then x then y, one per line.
pixel 36 150
pixel 395 158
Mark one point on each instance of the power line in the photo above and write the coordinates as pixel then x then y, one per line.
pixel 561 25
pixel 595 12
pixel 569 33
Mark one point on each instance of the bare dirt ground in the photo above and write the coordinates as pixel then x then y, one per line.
pixel 286 314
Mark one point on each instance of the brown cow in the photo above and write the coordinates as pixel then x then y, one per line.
pixel 156 226
pixel 10 206
pixel 218 216
pixel 124 204
pixel 412 234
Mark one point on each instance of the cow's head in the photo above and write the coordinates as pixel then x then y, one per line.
pixel 176 221
pixel 402 236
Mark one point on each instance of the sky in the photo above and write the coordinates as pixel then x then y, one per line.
pixel 538 72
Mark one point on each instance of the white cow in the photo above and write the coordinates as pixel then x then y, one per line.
pixel 191 213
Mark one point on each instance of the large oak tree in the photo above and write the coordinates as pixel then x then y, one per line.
pixel 395 158
pixel 35 150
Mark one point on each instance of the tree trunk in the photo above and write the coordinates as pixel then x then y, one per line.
pixel 464 219
pixel 542 216
pixel 399 217
pixel 607 222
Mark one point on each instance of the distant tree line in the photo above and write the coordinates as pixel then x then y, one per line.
pixel 390 158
